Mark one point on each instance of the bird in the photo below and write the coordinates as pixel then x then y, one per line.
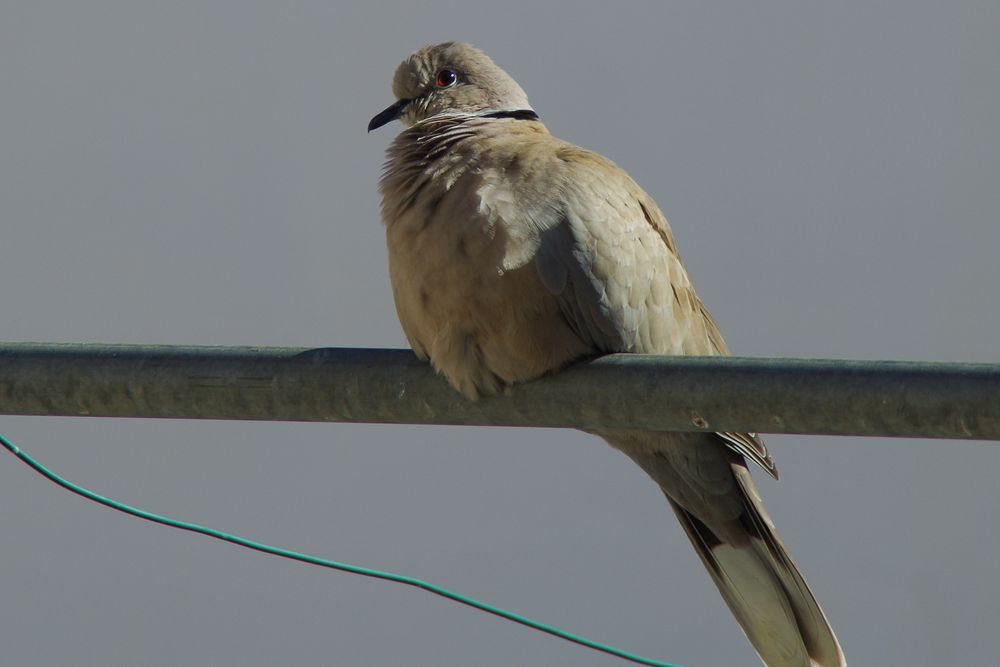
pixel 512 253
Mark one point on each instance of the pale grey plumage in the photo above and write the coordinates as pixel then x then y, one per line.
pixel 512 253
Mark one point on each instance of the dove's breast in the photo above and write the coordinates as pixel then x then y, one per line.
pixel 460 261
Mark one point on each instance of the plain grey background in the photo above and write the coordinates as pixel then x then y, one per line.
pixel 199 173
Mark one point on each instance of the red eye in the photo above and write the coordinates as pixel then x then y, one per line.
pixel 446 78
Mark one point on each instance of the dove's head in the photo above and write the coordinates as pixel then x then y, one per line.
pixel 450 77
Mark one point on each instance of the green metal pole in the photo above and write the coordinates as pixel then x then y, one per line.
pixel 836 397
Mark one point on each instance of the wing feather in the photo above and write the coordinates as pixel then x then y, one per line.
pixel 608 259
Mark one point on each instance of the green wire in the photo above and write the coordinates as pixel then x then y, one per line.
pixel 314 560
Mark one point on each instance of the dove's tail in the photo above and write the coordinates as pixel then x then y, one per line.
pixel 765 591
pixel 754 572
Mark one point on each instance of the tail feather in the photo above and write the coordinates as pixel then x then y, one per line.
pixel 713 496
pixel 819 638
pixel 767 595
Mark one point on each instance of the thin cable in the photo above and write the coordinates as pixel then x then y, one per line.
pixel 322 562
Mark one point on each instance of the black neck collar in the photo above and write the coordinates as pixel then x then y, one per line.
pixel 520 114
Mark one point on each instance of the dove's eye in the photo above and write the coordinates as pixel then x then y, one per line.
pixel 446 78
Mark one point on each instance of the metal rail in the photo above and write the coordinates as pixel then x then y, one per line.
pixel 835 397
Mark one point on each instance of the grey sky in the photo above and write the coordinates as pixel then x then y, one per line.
pixel 199 173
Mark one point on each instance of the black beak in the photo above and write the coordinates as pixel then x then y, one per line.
pixel 388 115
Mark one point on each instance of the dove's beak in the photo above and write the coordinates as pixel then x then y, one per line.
pixel 388 115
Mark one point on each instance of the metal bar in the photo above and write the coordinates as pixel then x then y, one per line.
pixel 835 397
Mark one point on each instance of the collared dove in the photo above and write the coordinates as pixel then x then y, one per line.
pixel 512 253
